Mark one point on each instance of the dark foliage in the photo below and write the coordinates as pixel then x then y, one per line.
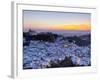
pixel 27 66
pixel 27 36
pixel 49 37
pixel 67 62
pixel 26 43
pixel 80 41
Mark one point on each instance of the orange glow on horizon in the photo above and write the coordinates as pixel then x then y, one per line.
pixel 74 27
pixel 62 27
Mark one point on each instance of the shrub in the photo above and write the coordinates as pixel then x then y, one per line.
pixel 67 62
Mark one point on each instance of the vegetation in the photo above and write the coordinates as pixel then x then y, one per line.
pixel 67 62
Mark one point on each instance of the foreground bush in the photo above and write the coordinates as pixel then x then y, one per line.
pixel 67 62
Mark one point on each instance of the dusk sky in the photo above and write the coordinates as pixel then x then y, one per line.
pixel 46 20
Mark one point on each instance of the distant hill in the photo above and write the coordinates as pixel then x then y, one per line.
pixel 81 38
pixel 63 32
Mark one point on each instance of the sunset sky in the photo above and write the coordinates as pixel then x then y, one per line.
pixel 46 20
